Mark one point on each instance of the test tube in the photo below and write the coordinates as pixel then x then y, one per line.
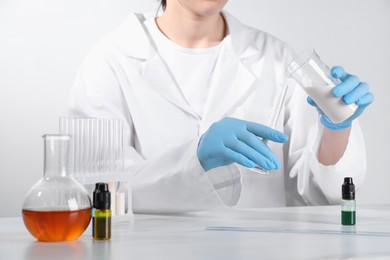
pixel 111 146
pixel 101 145
pixel 278 104
pixel 97 145
pixel 118 147
pixel 66 127
pixel 115 146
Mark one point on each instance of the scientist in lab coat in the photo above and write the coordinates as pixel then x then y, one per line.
pixel 195 88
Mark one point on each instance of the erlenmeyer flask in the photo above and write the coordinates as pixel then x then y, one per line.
pixel 57 207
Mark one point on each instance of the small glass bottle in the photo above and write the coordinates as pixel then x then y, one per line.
pixel 101 217
pixel 348 204
pixel 57 207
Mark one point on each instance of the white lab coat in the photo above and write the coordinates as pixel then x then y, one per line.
pixel 124 77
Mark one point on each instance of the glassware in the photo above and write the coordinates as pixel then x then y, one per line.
pixel 57 207
pixel 97 155
pixel 315 78
pixel 277 108
pixel 97 148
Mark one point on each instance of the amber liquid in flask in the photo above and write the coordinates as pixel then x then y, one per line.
pixel 57 208
pixel 56 225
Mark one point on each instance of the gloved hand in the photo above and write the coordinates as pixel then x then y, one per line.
pixel 233 140
pixel 352 91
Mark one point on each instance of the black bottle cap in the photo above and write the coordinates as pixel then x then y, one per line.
pixel 101 196
pixel 348 189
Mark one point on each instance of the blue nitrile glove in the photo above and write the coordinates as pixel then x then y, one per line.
pixel 352 91
pixel 233 140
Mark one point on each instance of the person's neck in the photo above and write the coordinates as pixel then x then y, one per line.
pixel 190 30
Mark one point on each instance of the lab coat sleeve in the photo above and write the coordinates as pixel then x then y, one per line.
pixel 171 182
pixel 317 184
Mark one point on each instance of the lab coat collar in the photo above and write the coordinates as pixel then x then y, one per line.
pixel 132 39
pixel 242 38
pixel 231 82
pixel 136 43
pixel 230 85
pixel 161 80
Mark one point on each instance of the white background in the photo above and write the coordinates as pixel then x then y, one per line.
pixel 43 42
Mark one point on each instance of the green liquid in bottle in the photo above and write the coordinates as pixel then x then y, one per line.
pixel 348 218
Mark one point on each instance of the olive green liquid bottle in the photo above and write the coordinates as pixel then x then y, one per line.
pixel 101 217
pixel 348 204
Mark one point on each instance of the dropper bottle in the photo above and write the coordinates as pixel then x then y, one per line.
pixel 101 219
pixel 348 203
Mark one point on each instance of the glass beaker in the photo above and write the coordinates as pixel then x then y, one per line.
pixel 315 78
pixel 57 207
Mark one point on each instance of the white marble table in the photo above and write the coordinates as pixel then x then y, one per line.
pixel 275 233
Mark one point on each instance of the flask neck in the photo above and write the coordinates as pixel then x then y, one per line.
pixel 56 155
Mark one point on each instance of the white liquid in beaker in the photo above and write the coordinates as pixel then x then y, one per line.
pixel 333 107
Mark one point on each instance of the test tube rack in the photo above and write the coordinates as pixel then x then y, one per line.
pixel 96 155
